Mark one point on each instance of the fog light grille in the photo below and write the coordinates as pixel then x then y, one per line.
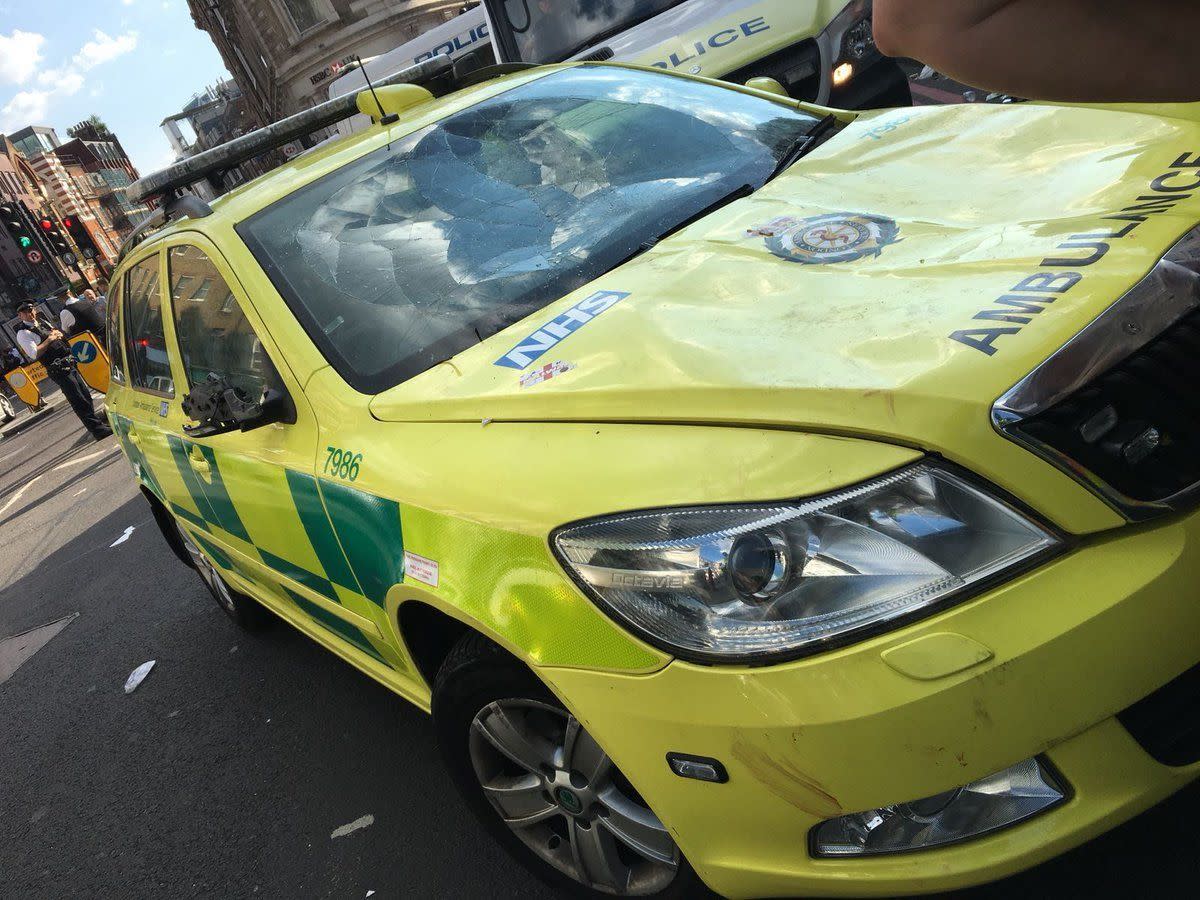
pixel 971 811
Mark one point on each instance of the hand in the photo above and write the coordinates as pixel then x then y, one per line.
pixel 56 335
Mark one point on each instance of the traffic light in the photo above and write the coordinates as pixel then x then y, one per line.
pixel 81 236
pixel 15 221
pixel 54 238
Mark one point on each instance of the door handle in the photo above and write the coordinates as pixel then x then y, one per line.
pixel 198 462
pixel 135 438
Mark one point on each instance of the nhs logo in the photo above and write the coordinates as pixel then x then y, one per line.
pixel 556 329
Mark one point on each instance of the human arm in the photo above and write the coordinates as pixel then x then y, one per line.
pixel 67 319
pixel 29 344
pixel 1069 50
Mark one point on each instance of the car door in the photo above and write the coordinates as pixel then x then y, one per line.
pixel 141 399
pixel 250 498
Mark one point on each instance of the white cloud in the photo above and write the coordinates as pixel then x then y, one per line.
pixel 30 106
pixel 20 52
pixel 25 108
pixel 69 83
pixel 102 48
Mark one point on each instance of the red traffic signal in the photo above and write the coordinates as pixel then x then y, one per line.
pixel 68 223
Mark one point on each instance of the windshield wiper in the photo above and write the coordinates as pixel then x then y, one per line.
pixel 803 145
pixel 737 193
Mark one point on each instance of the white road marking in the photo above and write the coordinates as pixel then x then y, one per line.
pixel 70 462
pixel 17 496
pixel 80 491
pixel 361 822
pixel 123 538
pixel 85 458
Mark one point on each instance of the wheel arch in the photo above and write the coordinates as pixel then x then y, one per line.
pixel 429 634
pixel 166 525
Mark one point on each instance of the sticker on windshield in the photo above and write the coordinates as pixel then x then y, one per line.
pixel 546 337
pixel 833 238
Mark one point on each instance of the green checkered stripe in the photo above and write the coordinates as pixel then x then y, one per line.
pixel 355 536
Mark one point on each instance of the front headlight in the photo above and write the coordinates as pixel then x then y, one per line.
pixel 745 583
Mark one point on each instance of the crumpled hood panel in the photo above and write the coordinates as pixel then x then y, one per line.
pixel 887 318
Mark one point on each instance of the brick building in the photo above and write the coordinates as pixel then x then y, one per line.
pixel 282 53
pixel 19 279
pixel 101 172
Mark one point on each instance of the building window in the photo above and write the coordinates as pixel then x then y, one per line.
pixel 304 14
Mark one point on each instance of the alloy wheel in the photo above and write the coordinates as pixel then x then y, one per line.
pixel 208 574
pixel 559 792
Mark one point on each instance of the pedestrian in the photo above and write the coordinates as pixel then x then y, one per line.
pixel 1069 50
pixel 82 314
pixel 12 360
pixel 41 341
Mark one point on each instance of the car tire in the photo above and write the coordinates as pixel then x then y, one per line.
pixel 572 822
pixel 7 413
pixel 245 611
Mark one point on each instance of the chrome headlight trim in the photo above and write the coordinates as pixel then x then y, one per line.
pixel 932 600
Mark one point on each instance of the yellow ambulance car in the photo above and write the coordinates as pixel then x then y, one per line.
pixel 762 498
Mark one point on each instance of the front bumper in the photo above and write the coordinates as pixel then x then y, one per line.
pixel 1072 644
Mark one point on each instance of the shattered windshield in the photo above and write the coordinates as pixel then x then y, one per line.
pixel 416 251
pixel 548 31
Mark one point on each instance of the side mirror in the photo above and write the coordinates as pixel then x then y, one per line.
pixel 220 407
pixel 770 85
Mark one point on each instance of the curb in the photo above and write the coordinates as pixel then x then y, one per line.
pixel 20 424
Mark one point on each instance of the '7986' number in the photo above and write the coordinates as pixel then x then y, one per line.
pixel 342 463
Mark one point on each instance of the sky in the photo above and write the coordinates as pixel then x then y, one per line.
pixel 131 62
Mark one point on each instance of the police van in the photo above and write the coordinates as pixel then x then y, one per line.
pixel 464 34
pixel 821 51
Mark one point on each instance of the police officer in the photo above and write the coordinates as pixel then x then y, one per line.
pixel 84 314
pixel 44 343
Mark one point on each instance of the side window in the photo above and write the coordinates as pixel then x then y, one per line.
pixel 117 372
pixel 214 335
pixel 145 343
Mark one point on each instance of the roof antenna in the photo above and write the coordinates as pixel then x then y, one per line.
pixel 385 119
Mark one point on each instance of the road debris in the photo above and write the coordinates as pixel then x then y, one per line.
pixel 138 675
pixel 360 822
pixel 123 538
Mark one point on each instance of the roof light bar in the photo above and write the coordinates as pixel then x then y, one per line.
pixel 219 159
